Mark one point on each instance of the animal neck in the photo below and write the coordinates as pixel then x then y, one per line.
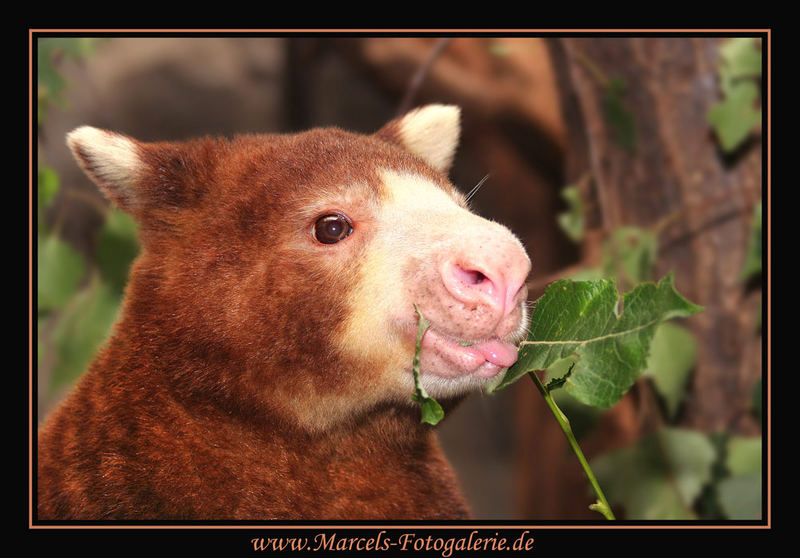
pixel 212 382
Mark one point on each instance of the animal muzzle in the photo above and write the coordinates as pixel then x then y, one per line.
pixel 475 304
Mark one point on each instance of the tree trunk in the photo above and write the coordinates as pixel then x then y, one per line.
pixel 674 172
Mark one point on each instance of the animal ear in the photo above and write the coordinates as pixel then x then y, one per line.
pixel 111 160
pixel 430 132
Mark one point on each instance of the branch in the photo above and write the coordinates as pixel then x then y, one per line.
pixel 419 77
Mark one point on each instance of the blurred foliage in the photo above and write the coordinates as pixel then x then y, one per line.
pixel 629 256
pixel 672 357
pixel 50 83
pixel 117 246
pixel 571 220
pixel 754 258
pixel 77 297
pixel 80 328
pixel 47 187
pixel 734 118
pixel 673 473
pixel 620 120
pixel 658 477
pixel 668 474
pixel 60 269
pixel 740 492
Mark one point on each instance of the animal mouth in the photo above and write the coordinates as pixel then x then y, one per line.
pixel 448 357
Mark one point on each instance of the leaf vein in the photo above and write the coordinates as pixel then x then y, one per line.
pixel 583 342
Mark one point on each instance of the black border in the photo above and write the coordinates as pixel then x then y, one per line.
pixel 205 533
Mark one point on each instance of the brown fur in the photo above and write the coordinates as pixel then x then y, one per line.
pixel 190 410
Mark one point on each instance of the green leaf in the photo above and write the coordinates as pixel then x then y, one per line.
pixel 571 221
pixel 658 477
pixel 754 258
pixel 583 318
pixel 744 455
pixel 672 357
pixel 740 59
pixel 431 411
pixel 735 117
pixel 83 326
pixel 629 255
pixel 618 117
pixel 740 496
pixel 737 114
pixel 47 186
pixel 740 493
pixel 60 269
pixel 118 245
pixel 558 374
pixel 707 504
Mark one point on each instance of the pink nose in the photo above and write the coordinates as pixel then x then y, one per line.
pixel 493 280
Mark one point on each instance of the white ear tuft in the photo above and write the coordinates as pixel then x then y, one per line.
pixel 111 160
pixel 432 132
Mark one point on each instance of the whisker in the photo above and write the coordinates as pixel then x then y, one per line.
pixel 476 188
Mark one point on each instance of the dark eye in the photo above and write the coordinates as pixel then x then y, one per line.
pixel 330 229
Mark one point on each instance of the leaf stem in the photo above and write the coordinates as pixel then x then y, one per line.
pixel 602 505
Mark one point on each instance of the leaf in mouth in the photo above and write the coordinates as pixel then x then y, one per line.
pixel 584 318
pixel 432 412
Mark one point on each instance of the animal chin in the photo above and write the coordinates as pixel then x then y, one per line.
pixel 447 357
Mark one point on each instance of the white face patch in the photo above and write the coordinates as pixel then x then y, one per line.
pixel 417 229
pixel 409 194
pixel 378 321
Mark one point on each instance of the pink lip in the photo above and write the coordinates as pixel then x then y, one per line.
pixel 449 359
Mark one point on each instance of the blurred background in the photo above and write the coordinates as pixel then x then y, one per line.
pixel 622 157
